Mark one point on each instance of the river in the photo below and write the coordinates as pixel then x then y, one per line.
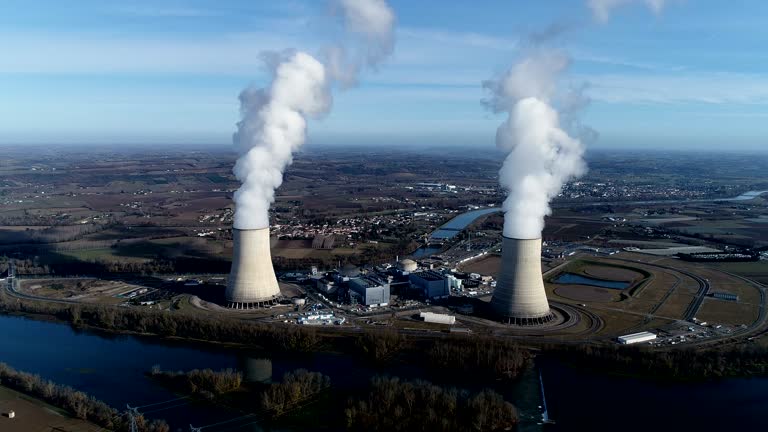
pixel 458 223
pixel 112 369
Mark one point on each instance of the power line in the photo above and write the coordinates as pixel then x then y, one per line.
pixel 163 402
pixel 166 408
pixel 226 421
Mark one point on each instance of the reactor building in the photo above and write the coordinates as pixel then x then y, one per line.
pixel 252 282
pixel 519 297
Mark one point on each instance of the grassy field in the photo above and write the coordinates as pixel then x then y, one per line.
pixel 724 312
pixel 103 254
pixel 757 271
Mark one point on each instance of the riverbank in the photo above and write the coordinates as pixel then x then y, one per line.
pixel 40 392
pixel 33 414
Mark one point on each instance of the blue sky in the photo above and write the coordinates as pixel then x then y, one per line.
pixel 106 72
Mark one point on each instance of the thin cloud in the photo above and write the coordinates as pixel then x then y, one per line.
pixel 617 61
pixel 163 12
pixel 710 88
pixel 466 39
pixel 90 54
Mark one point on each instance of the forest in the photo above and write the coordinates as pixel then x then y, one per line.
pixel 392 404
pixel 685 364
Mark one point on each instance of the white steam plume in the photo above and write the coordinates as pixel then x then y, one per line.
pixel 542 157
pixel 274 119
pixel 601 9
pixel 372 22
pixel 274 125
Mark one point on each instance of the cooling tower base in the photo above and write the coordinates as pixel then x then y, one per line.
pixel 527 322
pixel 252 305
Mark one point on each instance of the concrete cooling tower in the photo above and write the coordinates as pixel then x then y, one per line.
pixel 519 297
pixel 252 282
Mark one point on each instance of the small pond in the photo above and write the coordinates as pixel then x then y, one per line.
pixel 574 279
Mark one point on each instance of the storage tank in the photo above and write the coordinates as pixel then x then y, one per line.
pixel 299 301
pixel 252 282
pixel 407 265
pixel 519 297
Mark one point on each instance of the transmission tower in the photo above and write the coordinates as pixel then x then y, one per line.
pixel 133 413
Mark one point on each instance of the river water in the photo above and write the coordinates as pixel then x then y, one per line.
pixel 458 223
pixel 590 401
pixel 112 368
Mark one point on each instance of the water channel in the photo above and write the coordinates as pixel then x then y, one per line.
pixel 574 279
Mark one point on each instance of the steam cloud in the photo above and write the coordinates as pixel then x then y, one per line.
pixel 274 119
pixel 601 9
pixel 542 156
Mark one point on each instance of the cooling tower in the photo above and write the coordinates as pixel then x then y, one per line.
pixel 519 296
pixel 252 282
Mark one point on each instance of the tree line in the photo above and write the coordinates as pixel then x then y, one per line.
pixel 204 382
pixel 392 404
pixel 501 359
pixel 296 387
pixel 49 262
pixel 675 364
pixel 163 323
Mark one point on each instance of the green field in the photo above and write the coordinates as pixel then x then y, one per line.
pixel 757 270
pixel 104 254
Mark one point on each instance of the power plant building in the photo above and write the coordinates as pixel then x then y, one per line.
pixel 369 291
pixel 431 284
pixel 519 297
pixel 252 282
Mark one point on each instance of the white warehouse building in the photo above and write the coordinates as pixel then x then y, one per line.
pixel 437 318
pixel 636 338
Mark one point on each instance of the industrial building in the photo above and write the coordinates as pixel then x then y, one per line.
pixel 519 297
pixel 430 284
pixel 725 296
pixel 636 338
pixel 369 291
pixel 437 318
pixel 252 282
